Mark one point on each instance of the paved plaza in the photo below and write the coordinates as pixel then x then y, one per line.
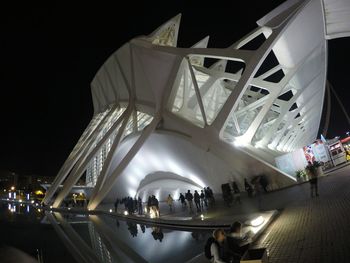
pixel 312 229
pixel 306 230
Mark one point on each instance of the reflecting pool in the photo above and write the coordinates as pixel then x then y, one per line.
pixel 54 237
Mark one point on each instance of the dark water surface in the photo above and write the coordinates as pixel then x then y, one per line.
pixel 68 238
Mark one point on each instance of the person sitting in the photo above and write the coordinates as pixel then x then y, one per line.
pixel 213 249
pixel 237 242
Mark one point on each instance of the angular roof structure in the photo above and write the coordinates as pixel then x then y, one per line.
pixel 168 118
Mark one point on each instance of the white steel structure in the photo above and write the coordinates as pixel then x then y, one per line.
pixel 168 119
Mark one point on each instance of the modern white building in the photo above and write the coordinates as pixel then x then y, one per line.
pixel 167 119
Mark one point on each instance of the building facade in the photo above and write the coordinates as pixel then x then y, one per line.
pixel 168 119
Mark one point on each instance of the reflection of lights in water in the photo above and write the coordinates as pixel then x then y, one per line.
pixel 50 206
pixel 152 214
pixel 10 195
pixel 28 209
pixel 126 213
pixel 10 207
pixel 257 221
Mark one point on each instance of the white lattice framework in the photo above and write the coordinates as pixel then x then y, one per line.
pixel 244 104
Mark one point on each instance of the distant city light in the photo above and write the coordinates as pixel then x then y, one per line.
pixel 110 210
pixel 126 213
pixel 12 188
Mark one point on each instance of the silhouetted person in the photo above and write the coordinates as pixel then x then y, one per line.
pixel 116 205
pixel 311 170
pixel 248 188
pixel 236 193
pixel 189 198
pixel 139 205
pixel 211 195
pixel 197 200
pixel 143 228
pixel 183 200
pixel 263 182
pixel 236 244
pixel 202 197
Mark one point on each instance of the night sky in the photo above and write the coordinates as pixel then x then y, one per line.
pixel 49 55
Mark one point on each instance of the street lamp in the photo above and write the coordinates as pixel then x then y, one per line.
pixel 12 188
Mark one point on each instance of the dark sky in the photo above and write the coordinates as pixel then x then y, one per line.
pixel 49 56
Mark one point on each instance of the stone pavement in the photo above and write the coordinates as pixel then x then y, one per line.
pixel 313 229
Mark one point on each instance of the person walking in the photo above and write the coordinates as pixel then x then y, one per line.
pixel 149 204
pixel 156 206
pixel 236 193
pixel 183 200
pixel 248 188
pixel 263 182
pixel 211 196
pixel 189 198
pixel 202 197
pixel 116 205
pixel 197 200
pixel 206 197
pixel 139 205
pixel 257 191
pixel 311 170
pixel 170 201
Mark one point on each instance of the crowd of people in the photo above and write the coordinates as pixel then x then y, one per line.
pixel 195 202
pixel 131 205
pixel 201 200
pixel 232 194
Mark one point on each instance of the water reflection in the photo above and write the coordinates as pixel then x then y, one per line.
pixel 11 212
pixel 157 233
pixel 111 240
